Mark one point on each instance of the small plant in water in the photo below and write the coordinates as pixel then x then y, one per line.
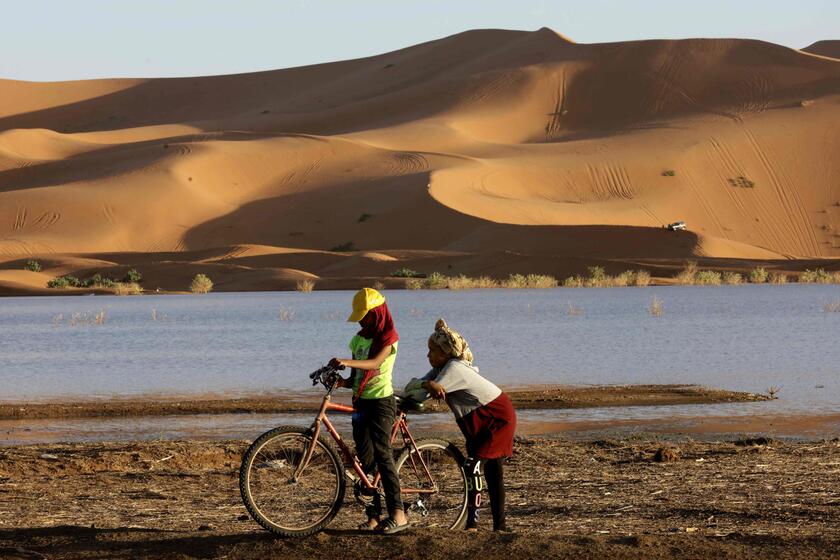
pixel 573 310
pixel 378 285
pixel 707 278
pixel 833 307
pixel 732 278
pixel 773 391
pixel 286 314
pixel 655 307
pixel 201 284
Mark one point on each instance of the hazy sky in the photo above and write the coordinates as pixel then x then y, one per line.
pixel 77 39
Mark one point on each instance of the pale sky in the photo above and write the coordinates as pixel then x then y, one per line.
pixel 44 40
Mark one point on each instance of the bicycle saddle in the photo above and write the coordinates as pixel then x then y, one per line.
pixel 407 405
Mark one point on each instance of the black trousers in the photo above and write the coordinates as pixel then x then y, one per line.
pixel 373 420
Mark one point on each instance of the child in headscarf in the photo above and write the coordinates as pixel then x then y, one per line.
pixel 374 350
pixel 483 412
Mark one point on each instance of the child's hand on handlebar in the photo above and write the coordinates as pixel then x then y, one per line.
pixel 336 363
pixel 436 391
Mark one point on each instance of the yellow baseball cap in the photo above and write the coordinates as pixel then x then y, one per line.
pixel 364 300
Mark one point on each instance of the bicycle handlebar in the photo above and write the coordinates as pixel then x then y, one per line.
pixel 326 376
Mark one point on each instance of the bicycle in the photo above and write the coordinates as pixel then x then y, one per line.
pixel 293 479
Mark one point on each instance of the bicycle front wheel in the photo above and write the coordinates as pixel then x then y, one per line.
pixel 437 497
pixel 281 497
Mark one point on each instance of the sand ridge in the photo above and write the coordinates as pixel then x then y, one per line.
pixel 462 147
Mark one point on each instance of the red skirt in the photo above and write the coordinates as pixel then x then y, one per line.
pixel 489 429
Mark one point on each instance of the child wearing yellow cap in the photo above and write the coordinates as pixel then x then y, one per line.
pixel 374 350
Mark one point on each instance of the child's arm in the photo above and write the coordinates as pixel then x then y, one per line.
pixel 370 363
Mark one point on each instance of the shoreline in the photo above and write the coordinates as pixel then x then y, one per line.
pixel 614 497
pixel 526 398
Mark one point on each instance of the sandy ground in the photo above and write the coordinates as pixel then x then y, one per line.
pixel 555 397
pixel 607 498
pixel 489 152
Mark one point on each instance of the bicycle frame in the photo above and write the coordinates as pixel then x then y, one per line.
pixel 350 458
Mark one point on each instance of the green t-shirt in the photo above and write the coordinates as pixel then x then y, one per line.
pixel 380 386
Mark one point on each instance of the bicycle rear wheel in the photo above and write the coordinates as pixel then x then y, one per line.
pixel 279 502
pixel 447 506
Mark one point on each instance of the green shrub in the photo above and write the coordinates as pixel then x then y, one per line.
pixel 708 278
pixel 132 277
pixel 364 218
pixel 758 275
pixel 407 273
pixel 59 283
pixel 669 173
pixel 201 284
pixel 732 278
pixel 436 281
pixel 344 247
pixel 818 276
pixel 33 266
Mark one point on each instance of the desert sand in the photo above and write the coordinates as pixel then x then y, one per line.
pixel 485 153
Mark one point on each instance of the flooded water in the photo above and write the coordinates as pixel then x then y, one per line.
pixel 734 337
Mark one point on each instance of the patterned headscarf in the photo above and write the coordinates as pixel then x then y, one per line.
pixel 451 342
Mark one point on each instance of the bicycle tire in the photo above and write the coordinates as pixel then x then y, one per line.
pixel 446 508
pixel 306 514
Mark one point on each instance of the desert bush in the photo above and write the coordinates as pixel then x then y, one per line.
pixel 732 278
pixel 597 277
pixel 818 276
pixel 33 266
pixel 688 275
pixel 742 182
pixel 344 247
pixel 707 278
pixel 378 285
pixel 529 281
pixel 128 289
pixel 758 275
pixel 541 281
pixel 436 281
pixel 642 278
pixel 573 282
pixel 364 217
pixel 59 283
pixel 406 273
pixel 655 308
pixel 669 173
pixel 778 278
pixel 133 276
pixel 462 282
pixel 305 286
pixel 626 278
pixel 201 284
pixel 414 284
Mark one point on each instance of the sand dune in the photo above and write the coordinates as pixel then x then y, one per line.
pixel 824 48
pixel 487 152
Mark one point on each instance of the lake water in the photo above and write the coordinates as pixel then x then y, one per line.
pixel 732 337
